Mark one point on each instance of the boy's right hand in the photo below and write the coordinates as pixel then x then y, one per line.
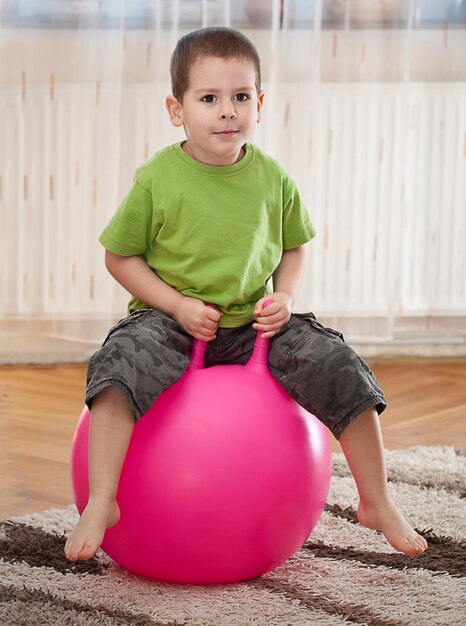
pixel 198 319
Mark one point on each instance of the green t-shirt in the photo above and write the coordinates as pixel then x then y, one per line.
pixel 212 233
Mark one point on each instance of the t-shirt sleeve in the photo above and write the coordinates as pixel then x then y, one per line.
pixel 132 229
pixel 297 225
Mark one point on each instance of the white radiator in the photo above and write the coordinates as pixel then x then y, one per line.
pixel 381 167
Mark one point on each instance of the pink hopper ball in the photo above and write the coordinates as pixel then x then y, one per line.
pixel 224 479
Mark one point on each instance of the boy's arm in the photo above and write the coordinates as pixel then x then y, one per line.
pixel 133 273
pixel 286 280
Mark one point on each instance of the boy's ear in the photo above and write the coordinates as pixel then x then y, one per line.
pixel 260 102
pixel 174 109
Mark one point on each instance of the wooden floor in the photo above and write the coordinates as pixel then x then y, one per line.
pixel 39 407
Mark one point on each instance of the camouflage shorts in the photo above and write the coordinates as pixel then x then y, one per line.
pixel 148 351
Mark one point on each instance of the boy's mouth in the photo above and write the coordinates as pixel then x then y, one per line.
pixel 226 132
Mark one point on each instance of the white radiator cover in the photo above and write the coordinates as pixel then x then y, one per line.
pixel 382 168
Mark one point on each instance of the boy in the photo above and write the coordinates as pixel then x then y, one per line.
pixel 210 221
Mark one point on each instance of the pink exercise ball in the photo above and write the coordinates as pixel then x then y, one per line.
pixel 224 479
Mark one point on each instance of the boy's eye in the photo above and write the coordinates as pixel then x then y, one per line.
pixel 241 97
pixel 209 98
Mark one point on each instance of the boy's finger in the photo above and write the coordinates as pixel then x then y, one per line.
pixel 270 309
pixel 205 338
pixel 266 327
pixel 204 335
pixel 269 320
pixel 213 313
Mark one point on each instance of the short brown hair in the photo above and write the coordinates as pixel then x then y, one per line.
pixel 216 41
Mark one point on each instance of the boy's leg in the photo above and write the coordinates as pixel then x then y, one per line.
pixel 362 446
pixel 110 431
pixel 323 374
pixel 142 356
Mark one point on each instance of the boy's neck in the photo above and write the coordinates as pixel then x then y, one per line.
pixel 187 149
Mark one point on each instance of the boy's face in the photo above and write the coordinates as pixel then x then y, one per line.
pixel 220 109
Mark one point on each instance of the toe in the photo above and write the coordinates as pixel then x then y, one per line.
pixel 87 552
pixel 416 545
pixel 72 550
pixel 77 549
pixel 411 549
pixel 421 543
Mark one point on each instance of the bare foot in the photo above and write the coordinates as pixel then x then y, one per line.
pixel 397 530
pixel 87 536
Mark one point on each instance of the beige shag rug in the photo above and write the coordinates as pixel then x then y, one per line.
pixel 344 574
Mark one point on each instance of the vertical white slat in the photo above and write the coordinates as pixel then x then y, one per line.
pixel 446 233
pixel 407 215
pixel 391 233
pixel 73 97
pixel 10 149
pixel 411 222
pixel 323 260
pixel 459 219
pixel 356 204
pixel 313 194
pixel 414 204
pixel 109 197
pixel 36 185
pixel 101 114
pixel 336 260
pixel 77 131
pixel 39 202
pixel 383 204
pixel 77 224
pixel 58 206
pixel 4 217
pixel 302 172
pixel 367 231
pixel 394 232
pixel 29 111
pixel 345 188
pixel 48 241
pixel 419 131
pixel 20 248
pixel 371 183
pixel 333 266
pixel 433 203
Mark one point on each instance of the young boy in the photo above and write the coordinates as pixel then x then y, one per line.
pixel 209 221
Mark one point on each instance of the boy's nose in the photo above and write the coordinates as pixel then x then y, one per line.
pixel 228 113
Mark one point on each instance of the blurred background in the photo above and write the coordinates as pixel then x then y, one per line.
pixel 365 107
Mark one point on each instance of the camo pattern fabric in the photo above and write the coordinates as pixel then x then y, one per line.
pixel 148 351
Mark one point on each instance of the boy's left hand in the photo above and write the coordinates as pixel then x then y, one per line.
pixel 275 315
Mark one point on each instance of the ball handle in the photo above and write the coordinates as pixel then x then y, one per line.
pixel 259 361
pixel 197 355
pixel 259 358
